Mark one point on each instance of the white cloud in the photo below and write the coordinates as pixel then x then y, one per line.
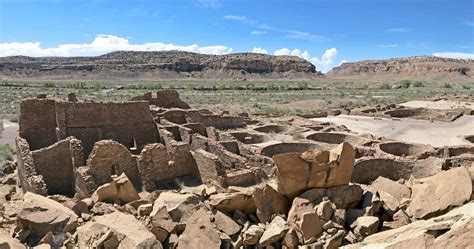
pixel 305 36
pixel 455 55
pixel 100 45
pixel 324 64
pixel 237 18
pixel 258 32
pixel 208 3
pixel 388 46
pixel 259 50
pixel 398 30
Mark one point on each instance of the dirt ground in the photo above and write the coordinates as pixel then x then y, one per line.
pixel 435 133
pixel 10 130
pixel 441 104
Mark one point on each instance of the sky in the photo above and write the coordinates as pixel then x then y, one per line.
pixel 324 32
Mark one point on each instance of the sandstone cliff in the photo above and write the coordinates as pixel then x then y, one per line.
pixel 169 64
pixel 419 66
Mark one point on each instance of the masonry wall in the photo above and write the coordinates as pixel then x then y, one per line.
pixel 28 178
pixel 55 164
pixel 38 122
pixel 129 123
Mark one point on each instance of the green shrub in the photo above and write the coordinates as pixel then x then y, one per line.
pixel 49 85
pixel 97 86
pixel 447 85
pixel 466 87
pixel 77 85
pixel 418 83
pixel 405 83
pixel 384 86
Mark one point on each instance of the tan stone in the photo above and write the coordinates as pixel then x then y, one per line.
pixel 400 218
pixel 118 229
pixel 314 169
pixel 451 230
pixel 225 224
pixel 438 193
pixel 310 225
pixel 291 239
pixel 365 226
pixel 41 215
pixel 390 204
pixel 275 231
pixel 120 189
pixel 342 197
pixel 298 208
pixel 335 241
pixel 325 210
pixel 252 235
pixel 144 209
pixel 269 202
pixel 229 202
pixel 199 233
pixel 162 225
pixel 7 242
pixel 179 206
pixel 397 190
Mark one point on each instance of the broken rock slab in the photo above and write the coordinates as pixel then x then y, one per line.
pixel 451 230
pixel 41 215
pixel 275 231
pixel 179 206
pixel 436 194
pixel 200 232
pixel 268 202
pixel 120 189
pixel 397 190
pixel 297 172
pixel 229 202
pixel 365 226
pixel 343 197
pixel 115 230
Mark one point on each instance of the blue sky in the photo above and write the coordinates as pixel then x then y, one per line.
pixel 326 32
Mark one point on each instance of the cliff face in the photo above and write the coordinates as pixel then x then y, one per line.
pixel 150 64
pixel 423 66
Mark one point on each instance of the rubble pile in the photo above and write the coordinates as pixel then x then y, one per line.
pixel 155 173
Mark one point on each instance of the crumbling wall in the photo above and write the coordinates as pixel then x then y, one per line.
pixel 56 164
pixel 176 116
pixel 154 166
pixel 129 123
pixel 46 121
pixel 28 178
pixel 112 158
pixel 164 98
pixel 160 163
pixel 215 120
pixel 229 159
pixel 211 170
pixel 38 122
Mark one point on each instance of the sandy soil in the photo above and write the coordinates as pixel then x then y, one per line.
pixel 441 104
pixel 435 133
pixel 10 131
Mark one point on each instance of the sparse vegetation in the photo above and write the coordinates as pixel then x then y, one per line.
pixel 447 85
pixel 6 153
pixel 418 83
pixel 49 85
pixel 405 83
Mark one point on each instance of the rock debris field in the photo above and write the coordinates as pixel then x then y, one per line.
pixel 153 172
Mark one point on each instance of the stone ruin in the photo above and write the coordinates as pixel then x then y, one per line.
pixel 66 147
pixel 103 175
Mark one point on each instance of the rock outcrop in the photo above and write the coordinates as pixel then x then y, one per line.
pixel 419 66
pixel 149 65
